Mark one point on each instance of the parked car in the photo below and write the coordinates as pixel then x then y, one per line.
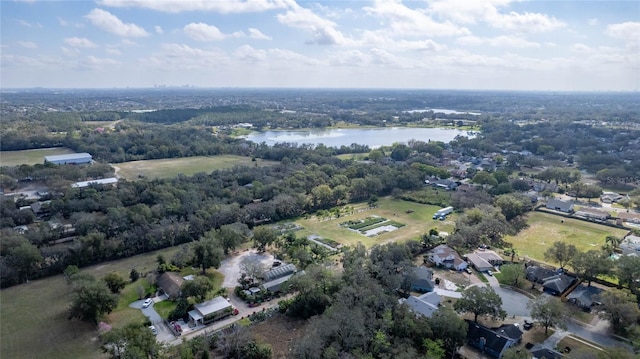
pixel 489 272
pixel 468 270
pixel 153 330
pixel 147 303
pixel 527 325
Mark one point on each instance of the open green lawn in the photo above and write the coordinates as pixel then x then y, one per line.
pixel 34 320
pixel 416 223
pixel 30 157
pixel 546 228
pixel 166 168
pixel 35 325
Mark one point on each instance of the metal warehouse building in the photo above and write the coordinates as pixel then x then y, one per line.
pixel 73 159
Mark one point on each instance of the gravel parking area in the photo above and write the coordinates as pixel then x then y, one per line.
pixel 230 267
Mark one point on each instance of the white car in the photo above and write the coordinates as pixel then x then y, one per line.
pixel 153 330
pixel 489 272
pixel 147 303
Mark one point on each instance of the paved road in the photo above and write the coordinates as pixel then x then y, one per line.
pixel 514 303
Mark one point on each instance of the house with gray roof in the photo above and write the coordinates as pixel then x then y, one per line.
pixel 553 282
pixel 558 205
pixel 421 280
pixel 541 352
pixel 425 304
pixel 585 297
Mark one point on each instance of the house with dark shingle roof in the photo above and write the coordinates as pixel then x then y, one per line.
pixel 584 296
pixel 553 282
pixel 170 283
pixel 421 280
pixel 540 352
pixel 493 342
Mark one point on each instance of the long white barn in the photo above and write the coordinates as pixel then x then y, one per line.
pixel 72 158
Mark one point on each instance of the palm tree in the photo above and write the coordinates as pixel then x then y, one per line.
pixel 613 241
pixel 513 254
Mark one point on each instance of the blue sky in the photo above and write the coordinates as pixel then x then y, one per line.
pixel 431 44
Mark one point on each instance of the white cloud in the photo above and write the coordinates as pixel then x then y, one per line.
pixel 111 23
pixel 323 31
pixel 498 41
pixel 186 57
pixel 70 51
pixel 220 6
pixel 79 42
pixel 63 22
pixel 383 57
pixel 98 62
pixel 113 51
pixel 487 11
pixel 593 22
pixel 257 34
pixel 527 22
pixel 28 24
pixel 405 21
pixel 467 12
pixel 248 53
pixel 203 32
pixel 28 44
pixel 627 31
pixel 158 29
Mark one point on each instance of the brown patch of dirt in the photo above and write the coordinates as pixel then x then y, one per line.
pixel 280 332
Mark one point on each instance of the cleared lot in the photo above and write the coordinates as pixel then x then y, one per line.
pixel 171 167
pixel 546 228
pixel 30 157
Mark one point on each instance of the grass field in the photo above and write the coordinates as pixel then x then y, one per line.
pixel 30 157
pixel 418 221
pixel 166 168
pixel 34 315
pixel 546 228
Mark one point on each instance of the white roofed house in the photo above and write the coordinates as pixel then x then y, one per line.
pixel 447 257
pixel 209 311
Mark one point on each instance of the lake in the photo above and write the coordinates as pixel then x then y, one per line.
pixel 443 110
pixel 372 137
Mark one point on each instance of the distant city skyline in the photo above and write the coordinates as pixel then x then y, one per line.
pixel 430 44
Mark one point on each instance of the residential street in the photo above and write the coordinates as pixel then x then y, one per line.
pixel 515 304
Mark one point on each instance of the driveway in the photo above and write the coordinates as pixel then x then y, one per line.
pixel 164 334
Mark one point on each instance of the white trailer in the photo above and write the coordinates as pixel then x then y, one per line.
pixel 442 213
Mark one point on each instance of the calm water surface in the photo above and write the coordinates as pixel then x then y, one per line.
pixel 372 137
